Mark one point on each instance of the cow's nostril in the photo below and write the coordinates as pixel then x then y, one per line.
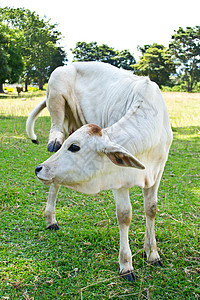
pixel 38 169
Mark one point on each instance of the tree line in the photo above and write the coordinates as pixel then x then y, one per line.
pixel 30 49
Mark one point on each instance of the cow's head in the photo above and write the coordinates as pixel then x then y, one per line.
pixel 86 155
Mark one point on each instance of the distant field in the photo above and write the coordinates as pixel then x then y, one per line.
pixel 184 108
pixel 79 261
pixel 21 106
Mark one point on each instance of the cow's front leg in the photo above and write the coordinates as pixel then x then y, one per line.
pixel 50 207
pixel 56 107
pixel 150 207
pixel 124 215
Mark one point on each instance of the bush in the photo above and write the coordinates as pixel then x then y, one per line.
pixel 181 88
pixel 8 89
pixel 197 87
pixel 32 88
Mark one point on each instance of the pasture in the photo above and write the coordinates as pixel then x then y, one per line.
pixel 80 260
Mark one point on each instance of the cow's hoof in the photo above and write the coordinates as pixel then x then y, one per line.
pixel 53 227
pixel 129 275
pixel 157 263
pixel 54 146
pixel 35 142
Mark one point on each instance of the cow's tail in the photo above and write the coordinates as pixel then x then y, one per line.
pixel 31 121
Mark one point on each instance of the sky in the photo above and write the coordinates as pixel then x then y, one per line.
pixel 121 24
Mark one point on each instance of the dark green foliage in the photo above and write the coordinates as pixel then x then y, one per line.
pixel 39 43
pixel 11 61
pixel 185 48
pixel 103 53
pixel 156 63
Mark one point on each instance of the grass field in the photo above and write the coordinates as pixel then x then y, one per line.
pixel 80 261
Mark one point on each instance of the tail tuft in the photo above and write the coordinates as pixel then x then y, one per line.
pixel 35 142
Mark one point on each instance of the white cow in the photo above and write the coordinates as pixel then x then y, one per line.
pixel 128 152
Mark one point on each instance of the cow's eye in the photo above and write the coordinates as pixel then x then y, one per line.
pixel 74 148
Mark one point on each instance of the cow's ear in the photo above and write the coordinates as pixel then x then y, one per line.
pixel 122 157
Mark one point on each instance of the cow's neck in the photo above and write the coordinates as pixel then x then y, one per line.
pixel 133 131
pixel 124 131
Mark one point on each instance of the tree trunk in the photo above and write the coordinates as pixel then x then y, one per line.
pixel 190 86
pixel 1 88
pixel 26 85
pixel 40 83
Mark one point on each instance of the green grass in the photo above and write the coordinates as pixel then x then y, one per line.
pixel 80 261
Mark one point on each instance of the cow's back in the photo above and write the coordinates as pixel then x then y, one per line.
pixel 104 92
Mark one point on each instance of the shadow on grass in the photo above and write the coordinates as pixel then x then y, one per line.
pixel 23 95
pixel 5 117
pixel 15 96
pixel 189 130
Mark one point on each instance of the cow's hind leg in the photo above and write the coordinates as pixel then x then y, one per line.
pixel 150 207
pixel 56 107
pixel 50 207
pixel 124 215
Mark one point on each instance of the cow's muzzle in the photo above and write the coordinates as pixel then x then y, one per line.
pixel 43 173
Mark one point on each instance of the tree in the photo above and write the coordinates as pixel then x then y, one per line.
pixel 103 53
pixel 11 62
pixel 185 48
pixel 85 51
pixel 58 58
pixel 125 60
pixel 156 63
pixel 40 46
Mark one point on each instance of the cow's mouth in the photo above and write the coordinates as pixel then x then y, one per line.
pixel 45 180
pixel 43 175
